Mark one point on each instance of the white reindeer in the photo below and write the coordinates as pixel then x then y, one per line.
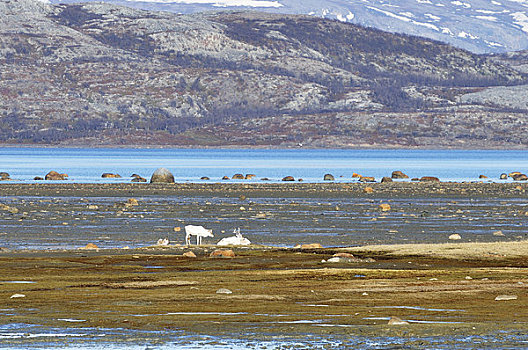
pixel 237 239
pixel 198 231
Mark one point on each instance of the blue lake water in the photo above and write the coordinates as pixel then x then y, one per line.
pixel 87 165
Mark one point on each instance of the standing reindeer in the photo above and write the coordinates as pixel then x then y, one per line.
pixel 198 231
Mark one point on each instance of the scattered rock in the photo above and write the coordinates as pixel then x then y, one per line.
pixel 222 253
pixel 250 176
pixel 162 175
pixel 177 229
pixel 93 207
pixel 397 321
pixel 225 178
pixel 264 179
pixel 17 296
pixel 368 190
pixel 503 176
pixel 242 197
pixel 90 246
pixel 386 179
pixel 4 176
pixel 205 178
pixel 384 207
pixel 110 176
pixel 356 175
pixel 520 177
pixel 328 177
pixel 189 254
pixel 308 246
pixel 514 173
pixel 135 176
pixel 12 210
pixel 397 174
pixel 455 237
pixel 38 178
pixel 224 291
pixel 367 179
pixel 288 178
pixel 505 297
pixel 238 177
pixel 498 234
pixel 132 202
pixel 429 179
pixel 139 179
pixel 483 177
pixel 53 175
pixel 415 179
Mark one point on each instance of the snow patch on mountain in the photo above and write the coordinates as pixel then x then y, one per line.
pixel 487 18
pixel 521 20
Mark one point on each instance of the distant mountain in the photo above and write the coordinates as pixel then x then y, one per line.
pixel 101 74
pixel 481 26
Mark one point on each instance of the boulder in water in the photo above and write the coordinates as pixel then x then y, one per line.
pixel 53 175
pixel 328 177
pixel 110 176
pixel 162 175
pixel 397 174
pixel 429 179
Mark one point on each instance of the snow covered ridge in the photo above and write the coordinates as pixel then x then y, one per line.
pixel 217 3
pixel 481 26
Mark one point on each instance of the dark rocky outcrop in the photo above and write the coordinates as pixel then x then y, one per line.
pixel 4 176
pixel 238 177
pixel 162 175
pixel 205 178
pixel 386 179
pixel 250 176
pixel 288 178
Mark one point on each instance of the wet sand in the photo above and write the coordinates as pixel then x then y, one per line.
pixel 445 289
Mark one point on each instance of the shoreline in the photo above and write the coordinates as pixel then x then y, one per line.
pixel 286 189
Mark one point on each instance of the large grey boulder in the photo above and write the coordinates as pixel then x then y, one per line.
pixel 162 175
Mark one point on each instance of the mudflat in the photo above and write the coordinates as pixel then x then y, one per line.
pixel 268 293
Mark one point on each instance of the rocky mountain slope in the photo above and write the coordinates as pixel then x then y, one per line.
pixel 101 74
pixel 481 26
